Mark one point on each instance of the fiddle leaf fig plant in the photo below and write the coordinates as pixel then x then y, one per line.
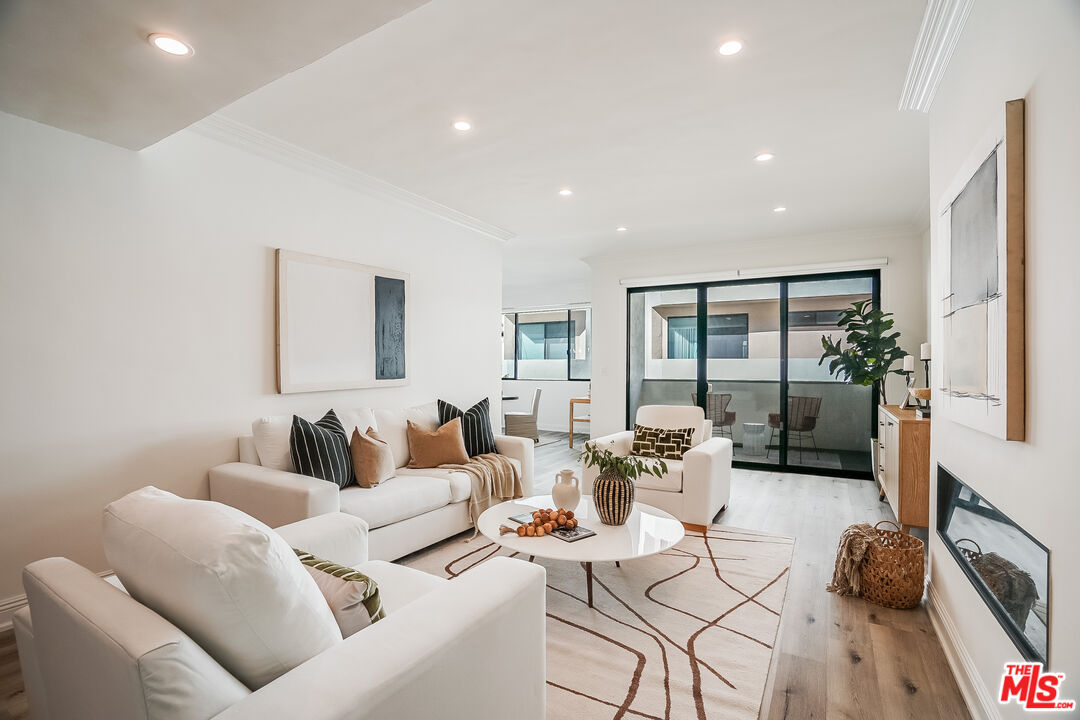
pixel 626 466
pixel 866 354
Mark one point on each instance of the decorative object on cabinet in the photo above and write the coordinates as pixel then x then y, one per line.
pixel 980 241
pixel 903 469
pixel 340 325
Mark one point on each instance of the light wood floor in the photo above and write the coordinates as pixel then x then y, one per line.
pixel 12 697
pixel 836 658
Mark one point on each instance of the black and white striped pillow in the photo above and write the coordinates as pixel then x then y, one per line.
pixel 475 426
pixel 321 449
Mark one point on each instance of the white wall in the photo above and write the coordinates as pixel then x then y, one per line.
pixel 902 293
pixel 137 307
pixel 1026 50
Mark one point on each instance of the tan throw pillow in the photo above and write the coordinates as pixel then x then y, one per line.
pixel 372 458
pixel 669 444
pixel 437 447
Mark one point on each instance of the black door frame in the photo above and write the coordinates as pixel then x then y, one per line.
pixel 702 290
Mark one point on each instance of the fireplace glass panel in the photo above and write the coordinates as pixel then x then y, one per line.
pixel 1009 568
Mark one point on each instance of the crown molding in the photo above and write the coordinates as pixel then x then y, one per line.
pixel 619 257
pixel 245 137
pixel 942 24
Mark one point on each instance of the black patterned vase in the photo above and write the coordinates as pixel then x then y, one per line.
pixel 613 496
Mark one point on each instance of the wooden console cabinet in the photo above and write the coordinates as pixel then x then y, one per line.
pixel 903 464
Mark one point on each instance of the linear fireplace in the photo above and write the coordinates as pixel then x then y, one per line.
pixel 1008 567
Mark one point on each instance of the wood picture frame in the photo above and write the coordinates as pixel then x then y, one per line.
pixel 340 325
pixel 981 253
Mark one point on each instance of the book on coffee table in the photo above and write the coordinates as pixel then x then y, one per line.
pixel 564 534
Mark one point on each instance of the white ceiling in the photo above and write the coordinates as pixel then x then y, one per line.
pixel 626 102
pixel 85 65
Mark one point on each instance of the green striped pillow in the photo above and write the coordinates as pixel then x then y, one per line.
pixel 353 597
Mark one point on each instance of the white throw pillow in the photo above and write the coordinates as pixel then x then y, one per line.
pixel 360 419
pixel 224 578
pixel 393 427
pixel 271 436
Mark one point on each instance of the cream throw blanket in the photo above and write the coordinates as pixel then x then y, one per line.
pixel 494 479
pixel 849 555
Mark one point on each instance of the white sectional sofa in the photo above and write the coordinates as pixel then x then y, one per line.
pixel 416 508
pixel 474 647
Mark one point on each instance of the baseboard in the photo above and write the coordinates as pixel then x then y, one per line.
pixel 8 608
pixel 978 699
pixel 12 605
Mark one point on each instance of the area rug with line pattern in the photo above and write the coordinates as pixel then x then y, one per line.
pixel 687 633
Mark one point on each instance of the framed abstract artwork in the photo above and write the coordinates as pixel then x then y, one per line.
pixel 340 325
pixel 981 257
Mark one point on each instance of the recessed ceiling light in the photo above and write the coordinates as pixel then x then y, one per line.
pixel 764 157
pixel 779 209
pixel 620 229
pixel 170 44
pixel 463 125
pixel 566 192
pixel 730 47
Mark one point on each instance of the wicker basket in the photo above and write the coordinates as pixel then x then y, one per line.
pixel 892 573
pixel 1012 586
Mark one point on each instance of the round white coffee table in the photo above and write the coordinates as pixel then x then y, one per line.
pixel 647 531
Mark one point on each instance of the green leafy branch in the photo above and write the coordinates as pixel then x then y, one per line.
pixel 627 466
pixel 866 354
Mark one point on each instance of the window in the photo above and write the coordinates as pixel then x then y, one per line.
pixel 546 345
pixel 728 336
pixel 544 340
pixel 814 318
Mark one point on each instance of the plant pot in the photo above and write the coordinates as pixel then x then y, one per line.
pixel 613 496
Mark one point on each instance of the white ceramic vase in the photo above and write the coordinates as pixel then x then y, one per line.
pixel 566 493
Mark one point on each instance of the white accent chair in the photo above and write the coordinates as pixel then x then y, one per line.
pixel 523 424
pixel 89 651
pixel 695 488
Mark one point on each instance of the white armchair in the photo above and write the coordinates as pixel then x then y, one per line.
pixel 695 488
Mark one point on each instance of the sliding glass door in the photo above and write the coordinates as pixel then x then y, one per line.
pixel 828 420
pixel 747 352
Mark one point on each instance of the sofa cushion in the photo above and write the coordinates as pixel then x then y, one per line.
pixel 393 427
pixel 669 444
pixel 395 500
pixel 431 448
pixel 353 597
pixel 674 416
pixel 399 585
pixel 356 419
pixel 475 426
pixel 321 449
pixel 271 434
pixel 372 458
pixel 226 579
pixel 671 481
pixel 459 481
